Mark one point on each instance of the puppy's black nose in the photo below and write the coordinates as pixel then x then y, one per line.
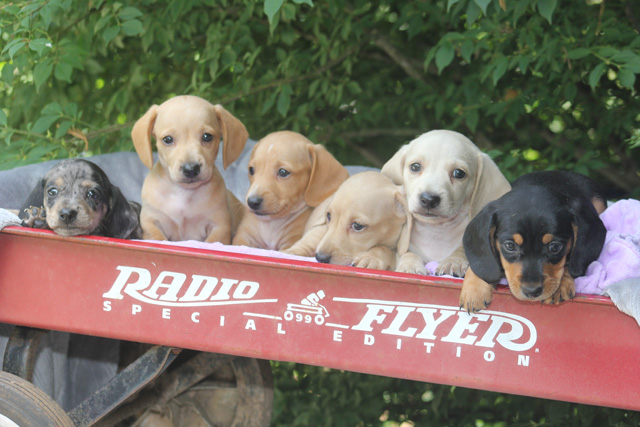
pixel 190 170
pixel 531 291
pixel 430 200
pixel 255 202
pixel 67 215
pixel 323 257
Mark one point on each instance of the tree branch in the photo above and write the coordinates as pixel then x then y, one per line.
pixel 405 63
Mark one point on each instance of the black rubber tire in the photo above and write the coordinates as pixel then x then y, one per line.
pixel 26 405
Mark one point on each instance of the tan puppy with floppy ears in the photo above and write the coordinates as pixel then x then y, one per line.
pixel 448 180
pixel 184 196
pixel 367 223
pixel 289 176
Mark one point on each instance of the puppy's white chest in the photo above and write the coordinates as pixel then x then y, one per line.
pixel 435 242
pixel 187 214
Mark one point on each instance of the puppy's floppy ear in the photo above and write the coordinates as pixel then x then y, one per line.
pixel 326 175
pixel 402 209
pixel 479 245
pixel 589 236
pixel 123 219
pixel 490 184
pixel 141 135
pixel 36 198
pixel 234 135
pixel 395 165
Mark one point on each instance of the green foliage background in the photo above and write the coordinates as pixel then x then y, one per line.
pixel 539 84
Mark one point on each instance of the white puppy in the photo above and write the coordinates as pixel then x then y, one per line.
pixel 448 180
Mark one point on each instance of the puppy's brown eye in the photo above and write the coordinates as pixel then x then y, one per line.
pixel 356 226
pixel 251 170
pixel 328 216
pixel 459 174
pixel 52 192
pixel 168 140
pixel 283 173
pixel 509 246
pixel 207 137
pixel 415 167
pixel 555 247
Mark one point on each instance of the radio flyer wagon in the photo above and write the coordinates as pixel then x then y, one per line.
pixel 239 311
pixel 208 320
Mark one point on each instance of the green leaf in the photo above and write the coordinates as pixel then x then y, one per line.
pixel 471 119
pixel 313 87
pixel 13 10
pixel 40 45
pixel 62 129
pixel 269 102
pixel 284 100
pixel 42 71
pixel 570 91
pixel 626 77
pixel 473 13
pixel 483 5
pixel 309 2
pixel 7 73
pixel 16 47
pixel 63 72
pixel 520 8
pixel 3 118
pixel 444 56
pixel 578 53
pixel 546 8
pixel 128 13
pixel 101 23
pixel 44 123
pixel 354 88
pixel 467 50
pixel 110 33
pixel 500 68
pixel 52 109
pixel 271 7
pixel 228 56
pixel 71 109
pixel 596 73
pixel 450 4
pixel 132 27
pixel 46 13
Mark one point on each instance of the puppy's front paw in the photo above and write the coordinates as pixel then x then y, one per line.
pixel 566 291
pixel 411 268
pixel 476 294
pixel 475 298
pixel 299 251
pixel 36 218
pixel 452 266
pixel 368 261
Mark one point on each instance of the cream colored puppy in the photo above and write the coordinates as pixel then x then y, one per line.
pixel 184 196
pixel 365 224
pixel 448 180
pixel 289 176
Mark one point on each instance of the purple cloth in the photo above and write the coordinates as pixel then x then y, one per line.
pixel 620 257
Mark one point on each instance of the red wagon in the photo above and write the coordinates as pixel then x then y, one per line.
pixel 257 307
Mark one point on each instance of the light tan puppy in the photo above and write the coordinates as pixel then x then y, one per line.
pixel 448 180
pixel 289 176
pixel 366 223
pixel 184 196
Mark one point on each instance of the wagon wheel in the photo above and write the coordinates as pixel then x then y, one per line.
pixel 23 404
pixel 203 389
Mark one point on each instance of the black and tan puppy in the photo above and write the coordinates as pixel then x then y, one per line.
pixel 540 235
pixel 76 198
